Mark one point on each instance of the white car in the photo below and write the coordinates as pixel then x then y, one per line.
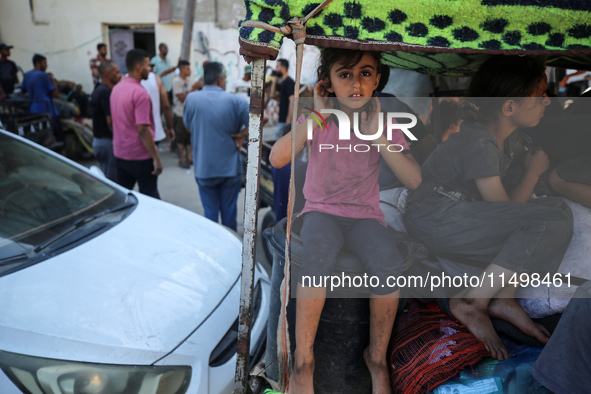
pixel 106 291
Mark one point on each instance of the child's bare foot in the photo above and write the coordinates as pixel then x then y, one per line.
pixel 508 309
pixel 380 375
pixel 301 380
pixel 479 324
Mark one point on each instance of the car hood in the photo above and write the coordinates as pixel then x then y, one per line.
pixel 130 295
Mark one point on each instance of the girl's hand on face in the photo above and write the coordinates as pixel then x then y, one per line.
pixel 320 96
pixel 369 119
pixel 536 161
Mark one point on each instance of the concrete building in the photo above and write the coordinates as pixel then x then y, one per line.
pixel 67 31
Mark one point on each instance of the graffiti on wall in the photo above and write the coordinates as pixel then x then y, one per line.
pixel 230 59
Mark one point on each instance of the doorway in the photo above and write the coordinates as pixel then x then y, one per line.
pixel 126 37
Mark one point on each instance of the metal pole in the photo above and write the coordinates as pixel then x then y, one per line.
pixel 253 167
pixel 188 29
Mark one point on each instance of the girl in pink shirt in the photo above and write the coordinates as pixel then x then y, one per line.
pixel 342 204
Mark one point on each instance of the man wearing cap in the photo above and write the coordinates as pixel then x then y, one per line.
pixel 8 69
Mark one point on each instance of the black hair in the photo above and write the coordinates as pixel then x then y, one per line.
pixel 105 66
pixel 507 76
pixel 37 58
pixel 135 57
pixel 283 63
pixel 100 45
pixel 385 76
pixel 449 114
pixel 330 56
pixel 212 71
pixel 183 63
pixel 504 77
pixel 161 45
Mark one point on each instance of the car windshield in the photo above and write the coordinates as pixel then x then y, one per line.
pixel 42 197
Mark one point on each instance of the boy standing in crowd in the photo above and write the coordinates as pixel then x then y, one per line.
pixel 180 90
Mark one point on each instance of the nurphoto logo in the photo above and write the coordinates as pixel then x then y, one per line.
pixel 392 123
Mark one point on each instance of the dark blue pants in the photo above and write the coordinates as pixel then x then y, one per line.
pixel 220 195
pixel 103 151
pixel 131 171
pixel 564 364
pixel 281 178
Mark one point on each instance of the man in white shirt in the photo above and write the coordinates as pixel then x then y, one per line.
pixel 241 87
pixel 180 89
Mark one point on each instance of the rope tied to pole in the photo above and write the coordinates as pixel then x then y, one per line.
pixel 295 28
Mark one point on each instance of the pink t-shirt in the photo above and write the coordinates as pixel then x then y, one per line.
pixel 130 106
pixel 345 182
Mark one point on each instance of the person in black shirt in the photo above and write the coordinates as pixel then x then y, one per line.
pixel 565 362
pixel 462 210
pixel 102 123
pixel 8 69
pixel 282 93
pixel 565 136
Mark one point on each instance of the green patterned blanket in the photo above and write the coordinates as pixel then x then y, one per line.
pixel 450 37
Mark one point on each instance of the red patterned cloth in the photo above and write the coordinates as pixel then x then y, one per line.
pixel 428 347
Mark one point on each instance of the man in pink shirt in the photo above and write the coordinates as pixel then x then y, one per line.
pixel 133 128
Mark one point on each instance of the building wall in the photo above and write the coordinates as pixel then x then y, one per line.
pixel 224 13
pixel 67 31
pixel 220 45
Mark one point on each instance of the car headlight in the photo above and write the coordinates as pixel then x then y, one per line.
pixel 43 375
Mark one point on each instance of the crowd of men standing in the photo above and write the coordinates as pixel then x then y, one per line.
pixel 205 124
pixel 208 124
